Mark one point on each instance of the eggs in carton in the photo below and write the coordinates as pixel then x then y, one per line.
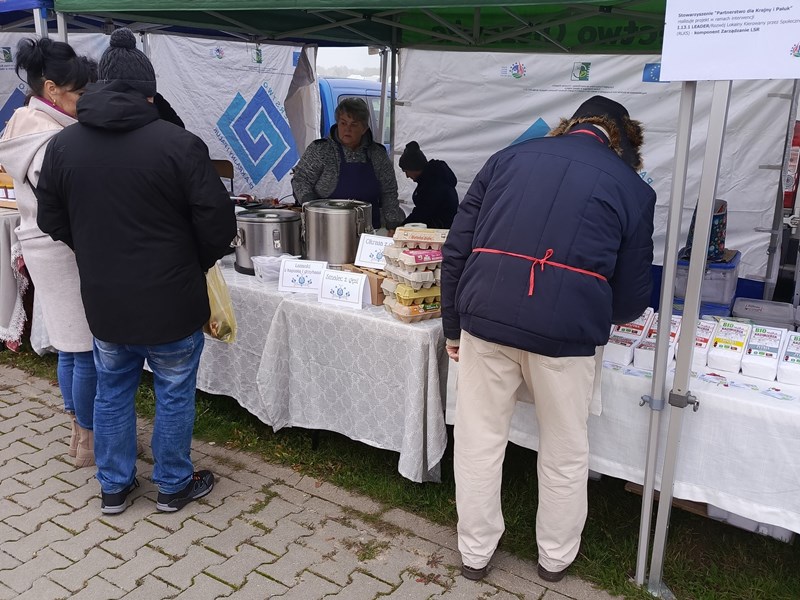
pixel 416 279
pixel 408 296
pixel 413 313
pixel 414 237
pixel 389 286
pixel 419 260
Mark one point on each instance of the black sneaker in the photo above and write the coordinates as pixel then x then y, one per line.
pixel 113 504
pixel 201 483
pixel 551 576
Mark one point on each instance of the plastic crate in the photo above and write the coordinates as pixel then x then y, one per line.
pixel 765 312
pixel 706 308
pixel 719 280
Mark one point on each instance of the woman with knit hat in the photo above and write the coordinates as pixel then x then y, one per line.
pixel 435 199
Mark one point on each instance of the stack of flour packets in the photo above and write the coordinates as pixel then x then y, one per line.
pixel 645 353
pixel 728 345
pixel 625 338
pixel 704 333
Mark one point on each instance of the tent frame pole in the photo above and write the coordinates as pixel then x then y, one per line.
pixel 658 389
pixel 680 397
pixel 62 27
pixel 40 22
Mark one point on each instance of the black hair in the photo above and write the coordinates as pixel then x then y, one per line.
pixel 48 59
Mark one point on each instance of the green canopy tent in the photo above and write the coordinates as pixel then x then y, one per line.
pixel 586 26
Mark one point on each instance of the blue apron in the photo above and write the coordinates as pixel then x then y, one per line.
pixel 357 181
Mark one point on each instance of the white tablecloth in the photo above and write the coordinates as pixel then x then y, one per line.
pixel 361 373
pixel 740 452
pixel 12 313
pixel 231 369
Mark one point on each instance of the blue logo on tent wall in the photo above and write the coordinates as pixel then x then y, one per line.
pixel 259 136
pixel 15 100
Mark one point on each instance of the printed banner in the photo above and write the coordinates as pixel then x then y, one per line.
pixel 481 102
pixel 232 95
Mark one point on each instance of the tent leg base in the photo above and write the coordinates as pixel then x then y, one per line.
pixel 660 591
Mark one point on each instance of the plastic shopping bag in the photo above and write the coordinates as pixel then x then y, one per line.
pixel 222 324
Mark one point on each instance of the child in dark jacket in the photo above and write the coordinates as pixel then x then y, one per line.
pixel 435 199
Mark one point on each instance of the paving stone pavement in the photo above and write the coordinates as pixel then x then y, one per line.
pixel 265 531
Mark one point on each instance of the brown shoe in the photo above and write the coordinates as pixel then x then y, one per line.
pixel 73 439
pixel 551 576
pixel 84 454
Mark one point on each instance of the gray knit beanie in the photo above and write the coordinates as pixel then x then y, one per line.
pixel 122 61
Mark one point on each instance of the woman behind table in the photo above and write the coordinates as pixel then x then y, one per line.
pixel 349 164
pixel 56 77
pixel 436 198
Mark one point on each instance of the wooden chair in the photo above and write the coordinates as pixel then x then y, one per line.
pixel 224 169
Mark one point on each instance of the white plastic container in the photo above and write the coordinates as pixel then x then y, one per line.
pixel 645 353
pixel 765 312
pixel 789 366
pixel 728 345
pixel 763 352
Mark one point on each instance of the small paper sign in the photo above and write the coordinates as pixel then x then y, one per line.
pixel 344 288
pixel 304 276
pixel 370 250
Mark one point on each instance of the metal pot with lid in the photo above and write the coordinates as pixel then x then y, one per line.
pixel 333 228
pixel 265 232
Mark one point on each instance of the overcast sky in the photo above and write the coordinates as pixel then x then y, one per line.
pixel 355 58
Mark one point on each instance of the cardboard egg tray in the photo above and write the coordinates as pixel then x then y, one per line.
pixel 389 286
pixel 412 314
pixel 416 279
pixel 408 296
pixel 414 237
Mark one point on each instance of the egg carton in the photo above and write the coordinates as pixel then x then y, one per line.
pixel 416 279
pixel 408 296
pixel 414 237
pixel 391 255
pixel 389 286
pixel 412 314
pixel 419 260
pixel 437 276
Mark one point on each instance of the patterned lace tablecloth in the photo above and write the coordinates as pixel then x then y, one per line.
pixel 361 373
pixel 12 313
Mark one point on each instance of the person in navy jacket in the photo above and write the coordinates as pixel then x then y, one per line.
pixel 550 246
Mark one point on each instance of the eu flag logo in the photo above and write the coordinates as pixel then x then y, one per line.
pixel 652 73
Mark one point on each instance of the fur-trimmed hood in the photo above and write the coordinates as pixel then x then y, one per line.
pixel 625 134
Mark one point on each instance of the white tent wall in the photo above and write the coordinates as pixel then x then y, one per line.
pixel 480 102
pixel 230 94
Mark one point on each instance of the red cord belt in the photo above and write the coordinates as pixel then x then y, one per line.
pixel 541 262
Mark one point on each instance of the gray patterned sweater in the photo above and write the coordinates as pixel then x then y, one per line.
pixel 317 173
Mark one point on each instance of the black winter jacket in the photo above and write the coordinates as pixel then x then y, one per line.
pixel 571 194
pixel 139 202
pixel 435 199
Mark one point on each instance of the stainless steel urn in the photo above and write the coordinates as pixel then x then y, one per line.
pixel 265 233
pixel 333 228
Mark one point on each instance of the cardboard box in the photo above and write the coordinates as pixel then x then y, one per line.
pixel 375 280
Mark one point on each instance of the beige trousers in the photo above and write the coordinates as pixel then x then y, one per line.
pixel 488 378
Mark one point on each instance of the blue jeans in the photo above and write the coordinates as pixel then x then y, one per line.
pixel 77 379
pixel 119 369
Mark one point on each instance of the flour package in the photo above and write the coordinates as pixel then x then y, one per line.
pixel 645 353
pixel 625 338
pixel 702 340
pixel 728 345
pixel 763 352
pixel 789 366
